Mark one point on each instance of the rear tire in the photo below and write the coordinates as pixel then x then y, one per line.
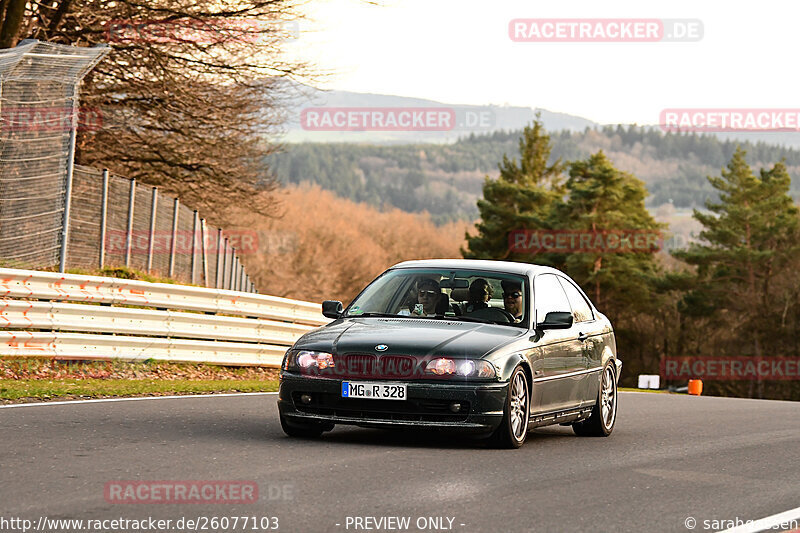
pixel 604 414
pixel 513 429
pixel 306 430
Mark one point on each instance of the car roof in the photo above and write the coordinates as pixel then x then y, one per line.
pixel 509 267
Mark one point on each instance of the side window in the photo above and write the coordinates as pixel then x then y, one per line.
pixel 548 296
pixel 581 309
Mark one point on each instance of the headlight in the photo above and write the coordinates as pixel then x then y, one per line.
pixel 308 361
pixel 473 368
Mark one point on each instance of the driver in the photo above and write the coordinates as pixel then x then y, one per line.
pixel 480 292
pixel 512 298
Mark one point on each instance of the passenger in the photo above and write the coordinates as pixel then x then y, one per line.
pixel 512 298
pixel 429 295
pixel 480 292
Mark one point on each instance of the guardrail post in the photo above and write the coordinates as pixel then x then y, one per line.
pixel 103 217
pixel 129 237
pixel 175 210
pixel 194 246
pixel 153 209
pixel 204 246
pixel 217 282
pixel 62 262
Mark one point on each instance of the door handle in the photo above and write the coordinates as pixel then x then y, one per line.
pixel 582 336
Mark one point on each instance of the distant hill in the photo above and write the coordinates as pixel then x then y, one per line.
pixel 496 118
pixel 446 179
pixel 470 119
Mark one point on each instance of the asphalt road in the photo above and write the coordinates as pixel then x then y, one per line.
pixel 669 458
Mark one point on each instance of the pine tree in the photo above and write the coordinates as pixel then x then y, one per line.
pixel 605 199
pixel 522 198
pixel 750 235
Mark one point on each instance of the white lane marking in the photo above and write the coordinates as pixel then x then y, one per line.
pixel 769 522
pixel 176 397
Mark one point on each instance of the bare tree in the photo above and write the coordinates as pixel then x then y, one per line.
pixel 189 95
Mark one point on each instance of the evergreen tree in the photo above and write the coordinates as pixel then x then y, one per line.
pixel 605 199
pixel 750 235
pixel 522 198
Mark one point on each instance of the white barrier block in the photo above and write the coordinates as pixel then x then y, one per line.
pixel 649 381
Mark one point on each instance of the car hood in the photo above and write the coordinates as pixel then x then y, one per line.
pixel 409 336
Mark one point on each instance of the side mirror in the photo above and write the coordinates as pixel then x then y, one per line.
pixel 556 320
pixel 332 308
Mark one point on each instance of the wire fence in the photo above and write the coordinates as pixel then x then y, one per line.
pixel 56 214
pixel 38 116
pixel 117 222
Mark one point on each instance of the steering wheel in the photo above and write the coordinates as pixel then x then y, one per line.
pixel 495 314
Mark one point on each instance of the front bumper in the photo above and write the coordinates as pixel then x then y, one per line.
pixel 427 405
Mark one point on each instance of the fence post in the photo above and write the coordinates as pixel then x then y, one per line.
pixel 203 251
pixel 176 209
pixel 129 237
pixel 153 209
pixel 62 262
pixel 217 282
pixel 103 217
pixel 194 246
pixel 235 271
pixel 224 264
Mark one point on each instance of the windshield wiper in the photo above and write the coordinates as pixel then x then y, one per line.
pixel 469 319
pixel 380 315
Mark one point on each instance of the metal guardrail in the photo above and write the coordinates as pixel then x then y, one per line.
pixel 73 316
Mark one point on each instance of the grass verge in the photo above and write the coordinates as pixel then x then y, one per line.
pixel 40 379
pixel 633 389
pixel 28 390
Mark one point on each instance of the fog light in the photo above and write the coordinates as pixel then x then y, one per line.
pixel 305 398
pixel 455 407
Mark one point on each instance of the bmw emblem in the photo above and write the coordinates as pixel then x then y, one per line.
pixel 381 347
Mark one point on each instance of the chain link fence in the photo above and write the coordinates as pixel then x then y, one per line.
pixel 56 214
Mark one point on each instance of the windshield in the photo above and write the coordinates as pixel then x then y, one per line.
pixel 469 295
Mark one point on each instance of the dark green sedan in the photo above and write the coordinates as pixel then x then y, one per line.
pixel 482 346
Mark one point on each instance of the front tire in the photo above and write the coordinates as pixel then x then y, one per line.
pixel 604 414
pixel 513 429
pixel 306 430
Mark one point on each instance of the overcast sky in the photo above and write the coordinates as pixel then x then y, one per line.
pixel 459 51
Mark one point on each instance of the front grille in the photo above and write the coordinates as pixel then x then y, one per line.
pixel 411 410
pixel 388 366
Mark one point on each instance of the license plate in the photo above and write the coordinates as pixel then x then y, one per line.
pixel 373 391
